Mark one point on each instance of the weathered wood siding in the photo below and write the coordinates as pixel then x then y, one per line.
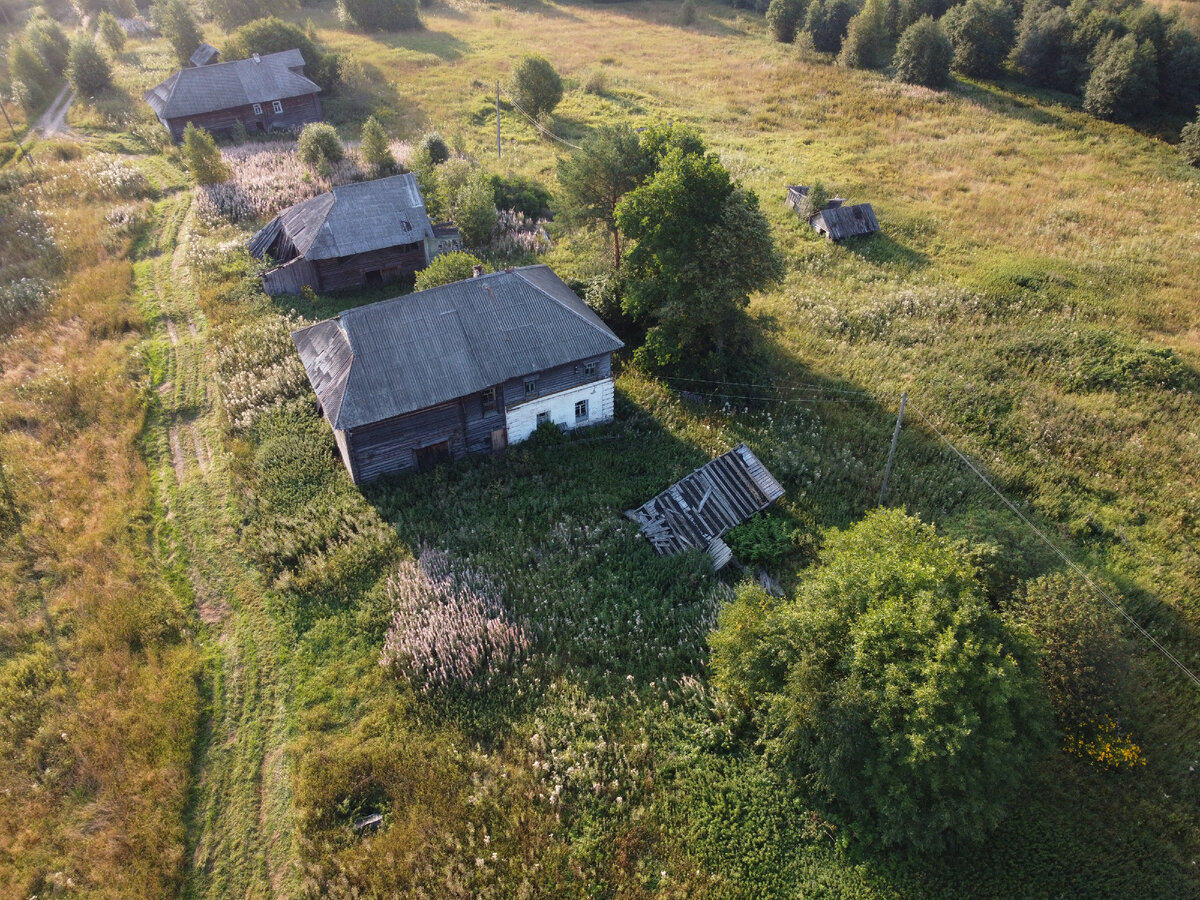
pixel 351 271
pixel 290 278
pixel 296 111
pixel 389 446
pixel 551 381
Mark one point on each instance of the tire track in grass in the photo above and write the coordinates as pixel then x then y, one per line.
pixel 239 818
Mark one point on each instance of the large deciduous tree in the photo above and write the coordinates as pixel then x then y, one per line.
pixel 923 54
pixel 982 33
pixel 1124 84
pixel 890 685
pixel 702 246
pixel 609 164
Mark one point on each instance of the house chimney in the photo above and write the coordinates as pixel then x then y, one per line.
pixel 476 271
pixel 257 59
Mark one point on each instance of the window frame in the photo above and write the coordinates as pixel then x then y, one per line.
pixel 488 400
pixel 589 369
pixel 277 106
pixel 257 107
pixel 586 411
pixel 543 418
pixel 531 388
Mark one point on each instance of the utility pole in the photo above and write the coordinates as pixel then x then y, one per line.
pixel 498 119
pixel 20 146
pixel 892 453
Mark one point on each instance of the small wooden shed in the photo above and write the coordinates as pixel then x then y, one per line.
pixel 205 55
pixel 836 221
pixel 697 510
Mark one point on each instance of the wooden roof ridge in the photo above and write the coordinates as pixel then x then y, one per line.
pixel 698 509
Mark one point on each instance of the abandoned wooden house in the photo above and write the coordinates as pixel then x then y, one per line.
pixel 697 510
pixel 369 232
pixel 836 221
pixel 468 367
pixel 261 94
pixel 205 55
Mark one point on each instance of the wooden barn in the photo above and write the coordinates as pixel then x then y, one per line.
pixel 468 367
pixel 369 232
pixel 836 221
pixel 697 510
pixel 262 93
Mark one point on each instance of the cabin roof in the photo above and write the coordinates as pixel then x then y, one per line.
pixel 409 353
pixel 694 512
pixel 846 221
pixel 204 55
pixel 351 218
pixel 227 85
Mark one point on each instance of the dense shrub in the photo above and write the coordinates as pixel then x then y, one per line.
pixel 1046 52
pixel 319 143
pixel 374 147
pixel 31 80
pixel 1189 141
pixel 889 684
pixel 869 43
pixel 201 156
pixel 434 146
pixel 827 20
pixel 687 13
pixel 448 268
pixel 230 14
pixel 47 39
pixel 982 33
pixel 923 55
pixel 273 35
pixel 521 194
pixel 534 85
pixel 175 21
pixel 87 69
pixel 474 211
pixel 784 17
pixel 112 32
pixel 1124 84
pixel 1179 69
pixel 382 15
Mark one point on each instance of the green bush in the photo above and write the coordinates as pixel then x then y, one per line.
pixel 982 33
pixel 382 15
pixel 175 21
pixel 1189 141
pixel 869 43
pixel 112 32
pixel 534 85
pixel 88 70
pixel 474 211
pixel 763 540
pixel 784 17
pixel 1124 85
pixel 923 54
pixel 201 156
pixel 31 80
pixel 826 22
pixel 319 143
pixel 687 13
pixel 447 269
pixel 374 147
pixel 47 39
pixel 521 194
pixel 434 146
pixel 273 35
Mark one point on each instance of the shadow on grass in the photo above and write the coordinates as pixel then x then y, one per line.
pixel 883 250
pixel 441 44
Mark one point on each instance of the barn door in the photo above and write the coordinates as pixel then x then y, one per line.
pixel 499 439
pixel 428 457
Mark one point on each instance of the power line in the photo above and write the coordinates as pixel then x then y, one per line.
pixel 813 388
pixel 538 125
pixel 1063 556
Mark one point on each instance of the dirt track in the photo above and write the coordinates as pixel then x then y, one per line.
pixel 54 120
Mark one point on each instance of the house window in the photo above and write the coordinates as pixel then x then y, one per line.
pixel 531 389
pixel 277 106
pixel 543 418
pixel 258 109
pixel 581 411
pixel 589 369
pixel 489 400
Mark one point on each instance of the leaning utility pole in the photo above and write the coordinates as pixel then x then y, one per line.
pixel 892 453
pixel 20 146
pixel 497 119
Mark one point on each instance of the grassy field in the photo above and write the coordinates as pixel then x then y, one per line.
pixel 200 597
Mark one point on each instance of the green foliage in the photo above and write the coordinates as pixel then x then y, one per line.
pixel 230 14
pixel 175 21
pixel 814 201
pixel 592 181
pixel 982 33
pixel 687 13
pixel 1189 141
pixel 434 146
pixel 1179 69
pixel 692 271
pixel 374 147
pixel 521 194
pixel 764 540
pixel 659 140
pixel 535 86
pixel 47 39
pixel 1046 52
pixel 273 35
pixel 1124 84
pixel 448 268
pixel 889 684
pixel 923 55
pixel 87 69
pixel 319 143
pixel 473 210
pixel 869 43
pixel 826 22
pixel 31 80
pixel 201 156
pixel 111 32
pixel 382 15
pixel 784 17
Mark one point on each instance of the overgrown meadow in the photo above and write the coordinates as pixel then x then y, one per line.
pixel 488 655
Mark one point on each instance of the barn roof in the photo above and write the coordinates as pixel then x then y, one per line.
pixel 226 85
pixel 352 218
pixel 409 353
pixel 846 221
pixel 694 512
pixel 204 55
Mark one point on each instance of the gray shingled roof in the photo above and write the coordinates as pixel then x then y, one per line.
pixel 227 85
pixel 401 355
pixel 352 218
pixel 846 221
pixel 204 55
pixel 694 512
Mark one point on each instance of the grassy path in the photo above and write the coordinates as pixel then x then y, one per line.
pixel 239 833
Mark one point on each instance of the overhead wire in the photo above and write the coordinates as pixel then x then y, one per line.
pixel 538 125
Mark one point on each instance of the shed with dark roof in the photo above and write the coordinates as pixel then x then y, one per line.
pixel 836 221
pixel 463 368
pixel 204 55
pixel 262 93
pixel 362 233
pixel 697 510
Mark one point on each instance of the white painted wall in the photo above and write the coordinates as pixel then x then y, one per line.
pixel 522 418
